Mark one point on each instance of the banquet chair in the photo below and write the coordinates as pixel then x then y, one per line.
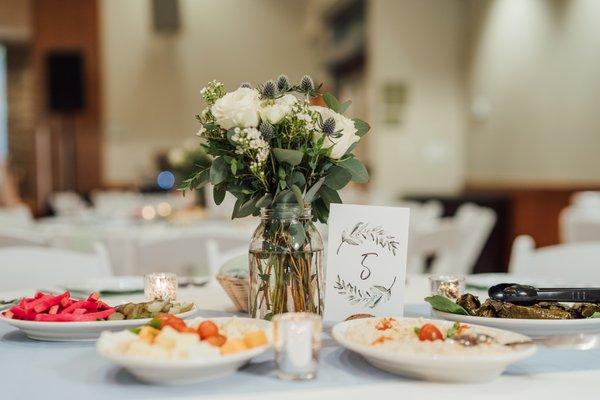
pixel 67 203
pixel 579 224
pixel 456 242
pixel 189 253
pixel 578 261
pixel 11 237
pixel 16 217
pixel 45 267
pixel 586 199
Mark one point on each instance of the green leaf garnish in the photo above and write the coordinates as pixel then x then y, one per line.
pixel 595 315
pixel 452 330
pixel 444 304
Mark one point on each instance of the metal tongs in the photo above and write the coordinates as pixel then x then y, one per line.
pixel 528 295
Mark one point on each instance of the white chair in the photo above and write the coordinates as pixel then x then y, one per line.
pixel 191 253
pixel 44 267
pixel 67 203
pixel 586 199
pixel 579 224
pixel 116 204
pixel 16 217
pixel 10 237
pixel 576 262
pixel 456 242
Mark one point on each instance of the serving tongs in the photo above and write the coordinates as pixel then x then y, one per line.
pixel 528 295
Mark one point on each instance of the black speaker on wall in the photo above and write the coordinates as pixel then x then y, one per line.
pixel 64 77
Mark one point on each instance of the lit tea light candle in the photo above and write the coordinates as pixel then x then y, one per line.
pixel 297 338
pixel 160 286
pixel 448 286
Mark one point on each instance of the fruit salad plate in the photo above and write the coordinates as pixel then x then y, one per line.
pixel 170 357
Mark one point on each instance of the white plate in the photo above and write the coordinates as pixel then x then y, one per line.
pixel 535 328
pixel 438 367
pixel 177 372
pixel 113 284
pixel 77 331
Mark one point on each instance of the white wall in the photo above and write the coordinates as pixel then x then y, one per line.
pixel 151 82
pixel 418 43
pixel 537 66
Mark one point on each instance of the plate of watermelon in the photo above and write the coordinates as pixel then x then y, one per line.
pixel 60 317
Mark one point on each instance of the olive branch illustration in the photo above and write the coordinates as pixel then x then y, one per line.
pixel 370 298
pixel 362 231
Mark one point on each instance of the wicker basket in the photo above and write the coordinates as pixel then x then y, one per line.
pixel 237 289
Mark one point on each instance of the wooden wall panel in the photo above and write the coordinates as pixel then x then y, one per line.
pixel 73 24
pixel 534 209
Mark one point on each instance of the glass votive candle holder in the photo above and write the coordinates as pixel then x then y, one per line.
pixel 160 286
pixel 449 286
pixel 297 338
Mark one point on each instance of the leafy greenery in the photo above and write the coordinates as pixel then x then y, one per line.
pixel 444 304
pixel 288 161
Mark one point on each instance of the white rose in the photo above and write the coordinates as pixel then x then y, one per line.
pixel 273 113
pixel 343 125
pixel 237 108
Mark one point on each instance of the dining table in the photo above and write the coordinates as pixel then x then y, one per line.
pixel 32 369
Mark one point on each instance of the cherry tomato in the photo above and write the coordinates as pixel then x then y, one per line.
pixel 170 320
pixel 207 329
pixel 216 340
pixel 430 332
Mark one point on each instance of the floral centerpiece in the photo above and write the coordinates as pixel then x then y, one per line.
pixel 285 159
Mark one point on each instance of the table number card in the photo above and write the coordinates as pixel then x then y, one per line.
pixel 366 261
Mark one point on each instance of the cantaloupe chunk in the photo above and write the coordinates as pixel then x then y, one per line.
pixel 255 339
pixel 233 346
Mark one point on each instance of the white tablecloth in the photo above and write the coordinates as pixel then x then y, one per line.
pixel 32 370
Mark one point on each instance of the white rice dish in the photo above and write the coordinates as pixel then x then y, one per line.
pixel 400 336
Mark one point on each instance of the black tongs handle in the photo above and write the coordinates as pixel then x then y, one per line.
pixel 574 295
pixel 524 294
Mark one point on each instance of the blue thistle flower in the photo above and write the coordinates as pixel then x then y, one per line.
pixel 267 130
pixel 283 83
pixel 269 90
pixel 306 84
pixel 328 126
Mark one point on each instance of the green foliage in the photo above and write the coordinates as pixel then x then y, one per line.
pixel 291 157
pixel 356 169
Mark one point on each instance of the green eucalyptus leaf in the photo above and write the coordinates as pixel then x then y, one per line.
pixel 356 169
pixel 285 196
pixel 298 195
pixel 331 101
pixel 234 166
pixel 344 106
pixel 264 201
pixel 320 210
pixel 218 194
pixel 329 195
pixel 310 193
pixel 443 304
pixel 236 207
pixel 296 178
pixel 218 171
pixel 361 127
pixel 297 234
pixel 291 157
pixel 247 208
pixel 337 177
